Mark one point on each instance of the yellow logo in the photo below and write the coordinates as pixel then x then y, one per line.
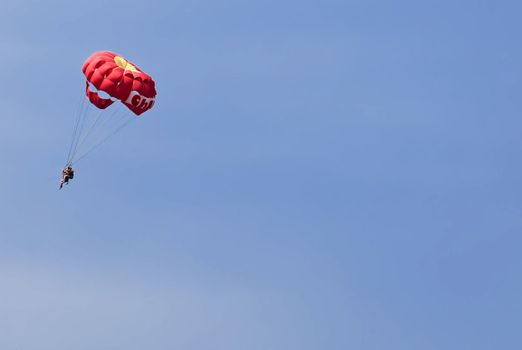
pixel 123 63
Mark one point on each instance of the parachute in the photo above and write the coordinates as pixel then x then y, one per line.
pixel 116 93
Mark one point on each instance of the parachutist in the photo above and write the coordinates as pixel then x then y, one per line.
pixel 67 174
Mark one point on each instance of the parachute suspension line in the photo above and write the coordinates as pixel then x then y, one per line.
pixel 75 129
pixel 75 134
pixel 116 112
pixel 96 129
pixel 99 143
pixel 83 116
pixel 87 132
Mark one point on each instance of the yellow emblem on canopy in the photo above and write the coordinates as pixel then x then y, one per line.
pixel 123 63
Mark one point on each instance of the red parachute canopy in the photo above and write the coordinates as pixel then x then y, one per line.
pixel 119 78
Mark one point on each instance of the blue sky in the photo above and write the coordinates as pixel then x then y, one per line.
pixel 314 175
